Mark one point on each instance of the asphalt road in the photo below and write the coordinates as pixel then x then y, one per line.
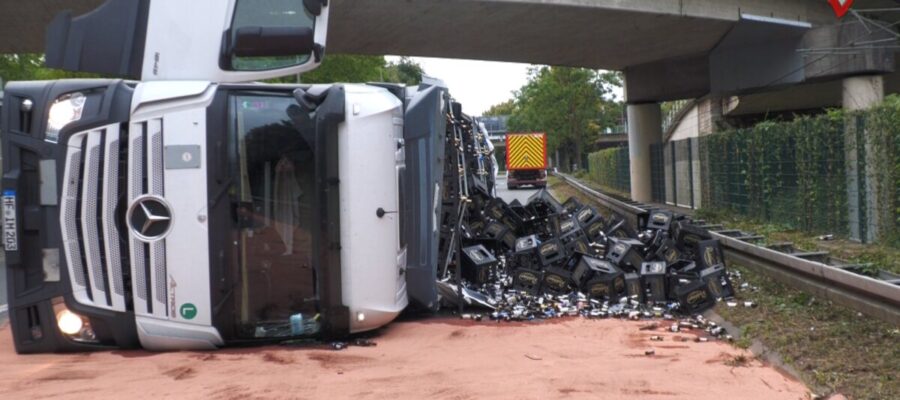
pixel 509 195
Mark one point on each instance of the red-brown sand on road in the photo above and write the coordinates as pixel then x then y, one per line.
pixel 431 359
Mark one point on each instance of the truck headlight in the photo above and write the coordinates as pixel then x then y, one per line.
pixel 75 327
pixel 69 322
pixel 64 111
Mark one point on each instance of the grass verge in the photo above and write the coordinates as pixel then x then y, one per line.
pixel 832 347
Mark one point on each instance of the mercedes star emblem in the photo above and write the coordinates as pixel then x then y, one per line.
pixel 149 218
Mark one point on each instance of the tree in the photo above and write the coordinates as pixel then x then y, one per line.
pixel 335 68
pixel 564 103
pixel 612 110
pixel 404 71
pixel 347 68
pixel 27 67
pixel 15 67
pixel 360 69
pixel 504 108
pixel 572 105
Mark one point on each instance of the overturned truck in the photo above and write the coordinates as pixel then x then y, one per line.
pixel 186 214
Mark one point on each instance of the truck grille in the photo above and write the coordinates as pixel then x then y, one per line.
pixel 91 237
pixel 145 177
pixel 107 169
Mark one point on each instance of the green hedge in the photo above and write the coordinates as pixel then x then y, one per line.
pixel 794 173
pixel 883 127
pixel 610 169
pixel 791 173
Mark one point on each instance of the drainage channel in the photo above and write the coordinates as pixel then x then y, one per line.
pixel 814 272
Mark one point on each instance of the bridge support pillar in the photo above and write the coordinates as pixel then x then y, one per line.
pixel 644 129
pixel 861 93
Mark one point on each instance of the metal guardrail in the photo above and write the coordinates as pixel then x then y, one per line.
pixel 876 298
pixel 634 214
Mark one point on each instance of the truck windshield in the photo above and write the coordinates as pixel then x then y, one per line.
pixel 274 193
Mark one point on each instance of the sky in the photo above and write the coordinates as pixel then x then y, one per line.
pixel 476 84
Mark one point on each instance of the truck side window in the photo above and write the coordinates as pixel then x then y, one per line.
pixel 269 13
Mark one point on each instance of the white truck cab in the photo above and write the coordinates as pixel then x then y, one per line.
pixel 178 213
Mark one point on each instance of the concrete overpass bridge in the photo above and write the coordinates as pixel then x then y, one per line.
pixel 668 49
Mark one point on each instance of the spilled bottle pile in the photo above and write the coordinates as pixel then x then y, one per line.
pixel 545 259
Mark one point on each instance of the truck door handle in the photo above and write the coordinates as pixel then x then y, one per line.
pixel 381 213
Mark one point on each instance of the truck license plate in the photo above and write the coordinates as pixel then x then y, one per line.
pixel 10 231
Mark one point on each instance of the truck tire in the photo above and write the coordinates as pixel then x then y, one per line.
pixel 511 187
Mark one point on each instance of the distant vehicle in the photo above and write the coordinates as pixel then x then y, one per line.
pixel 526 160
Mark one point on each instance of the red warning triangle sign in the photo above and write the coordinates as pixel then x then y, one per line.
pixel 841 7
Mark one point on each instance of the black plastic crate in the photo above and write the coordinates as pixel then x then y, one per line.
pixel 709 254
pixel 478 264
pixel 717 281
pixel 652 240
pixel 653 275
pixel 498 210
pixel 634 288
pixel 542 204
pixel 587 215
pixel 551 253
pixel 527 280
pixel 469 238
pixel 605 280
pixel 576 242
pixel 694 297
pixel 677 278
pixel 499 236
pixel 571 205
pixel 568 277
pixel 526 253
pixel 660 220
pixel 618 228
pixel 567 225
pixel 520 209
pixel 684 267
pixel 668 252
pixel 625 253
pixel 688 236
pixel 476 226
pixel 596 232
